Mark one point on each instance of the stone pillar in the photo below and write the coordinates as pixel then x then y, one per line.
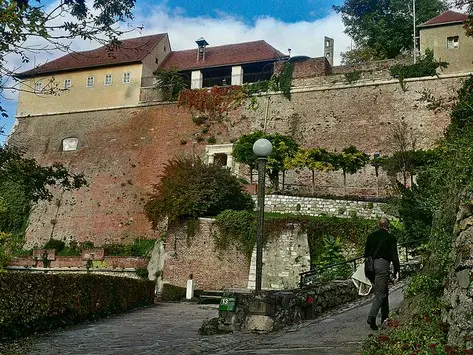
pixel 190 288
pixel 237 75
pixel 196 79
pixel 211 158
pixel 230 161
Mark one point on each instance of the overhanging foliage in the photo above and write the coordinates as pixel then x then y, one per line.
pixel 189 188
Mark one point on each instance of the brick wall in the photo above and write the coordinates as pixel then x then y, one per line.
pixel 123 151
pixel 110 262
pixel 309 68
pixel 197 256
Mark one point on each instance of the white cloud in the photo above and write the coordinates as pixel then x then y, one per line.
pixel 304 38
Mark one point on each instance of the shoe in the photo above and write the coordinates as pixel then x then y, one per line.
pixel 372 322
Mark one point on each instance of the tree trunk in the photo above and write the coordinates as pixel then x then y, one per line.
pixel 313 182
pixel 283 179
pixel 345 183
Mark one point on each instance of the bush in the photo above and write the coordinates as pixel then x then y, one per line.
pixel 425 335
pixel 4 249
pixel 39 302
pixel 171 293
pixel 142 272
pixel 238 228
pixel 139 248
pixel 116 249
pixel 59 245
pixel 332 253
pixel 189 189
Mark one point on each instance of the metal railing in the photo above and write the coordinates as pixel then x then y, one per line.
pixel 313 275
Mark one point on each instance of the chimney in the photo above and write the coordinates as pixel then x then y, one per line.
pixel 201 44
pixel 328 49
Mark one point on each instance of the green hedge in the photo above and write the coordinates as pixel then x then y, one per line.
pixel 36 302
pixel 172 293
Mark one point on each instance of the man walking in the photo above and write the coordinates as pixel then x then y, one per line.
pixel 382 247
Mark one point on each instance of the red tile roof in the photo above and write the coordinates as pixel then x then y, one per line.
pixel 231 54
pixel 446 18
pixel 130 51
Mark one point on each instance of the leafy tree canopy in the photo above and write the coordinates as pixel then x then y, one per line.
pixel 469 22
pixel 382 29
pixel 189 188
pixel 24 182
pixel 171 83
pixel 34 178
pixel 350 160
pixel 283 147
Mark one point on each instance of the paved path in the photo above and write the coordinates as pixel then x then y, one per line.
pixel 171 328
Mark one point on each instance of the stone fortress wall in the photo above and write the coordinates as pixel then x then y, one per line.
pixel 458 292
pixel 123 151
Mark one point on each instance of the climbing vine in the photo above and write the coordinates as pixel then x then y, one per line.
pixel 426 66
pixel 284 79
pixel 238 229
pixel 215 102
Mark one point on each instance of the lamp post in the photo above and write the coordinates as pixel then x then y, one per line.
pixel 414 32
pixel 262 149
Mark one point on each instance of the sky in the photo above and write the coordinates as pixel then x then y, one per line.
pixel 295 24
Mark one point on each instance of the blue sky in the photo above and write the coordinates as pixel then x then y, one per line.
pixel 298 25
pixel 248 10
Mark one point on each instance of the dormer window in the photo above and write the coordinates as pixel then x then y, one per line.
pixel 69 144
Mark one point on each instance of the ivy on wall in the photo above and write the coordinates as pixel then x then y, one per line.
pixel 285 79
pixel 238 229
pixel 215 102
pixel 426 66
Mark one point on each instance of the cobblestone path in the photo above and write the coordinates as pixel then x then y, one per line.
pixel 171 328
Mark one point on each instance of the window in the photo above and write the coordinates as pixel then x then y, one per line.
pixel 126 77
pixel 453 42
pixel 90 82
pixel 108 80
pixel 69 144
pixel 38 86
pixel 67 84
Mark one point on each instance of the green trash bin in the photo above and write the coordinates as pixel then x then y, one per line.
pixel 227 303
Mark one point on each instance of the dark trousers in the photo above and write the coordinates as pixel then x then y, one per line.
pixel 381 280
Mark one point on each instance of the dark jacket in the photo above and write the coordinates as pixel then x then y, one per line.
pixel 387 247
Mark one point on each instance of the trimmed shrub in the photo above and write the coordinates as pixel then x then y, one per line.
pixel 139 248
pixel 39 302
pixel 59 245
pixel 171 293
